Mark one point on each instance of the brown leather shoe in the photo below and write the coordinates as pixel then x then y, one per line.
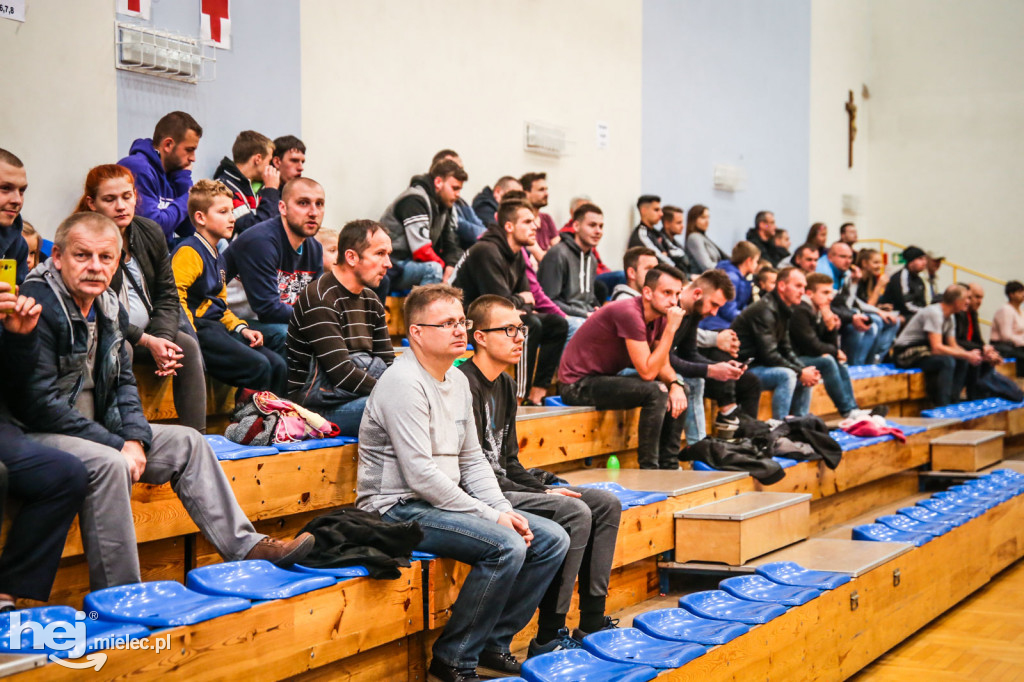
pixel 282 553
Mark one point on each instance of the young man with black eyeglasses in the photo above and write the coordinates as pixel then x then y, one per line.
pixel 591 517
pixel 420 460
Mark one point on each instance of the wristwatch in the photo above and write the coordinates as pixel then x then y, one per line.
pixel 679 380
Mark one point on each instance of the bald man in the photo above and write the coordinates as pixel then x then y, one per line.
pixel 277 258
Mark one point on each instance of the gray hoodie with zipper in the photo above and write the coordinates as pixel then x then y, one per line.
pixel 567 276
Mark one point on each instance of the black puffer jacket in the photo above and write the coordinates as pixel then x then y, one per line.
pixel 146 243
pixel 763 331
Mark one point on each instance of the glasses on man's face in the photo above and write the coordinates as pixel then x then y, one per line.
pixel 448 325
pixel 510 331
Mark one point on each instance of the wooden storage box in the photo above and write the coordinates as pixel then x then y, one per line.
pixel 737 529
pixel 967 450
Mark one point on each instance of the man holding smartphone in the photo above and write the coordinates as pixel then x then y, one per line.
pixel 726 382
pixel 13 247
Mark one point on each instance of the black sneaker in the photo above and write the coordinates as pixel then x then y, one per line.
pixel 609 624
pixel 563 642
pixel 494 664
pixel 725 426
pixel 881 411
pixel 439 672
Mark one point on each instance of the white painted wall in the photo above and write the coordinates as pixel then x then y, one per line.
pixel 947 130
pixel 840 62
pixel 728 83
pixel 59 113
pixel 386 84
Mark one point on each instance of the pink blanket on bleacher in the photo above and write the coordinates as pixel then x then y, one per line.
pixel 869 427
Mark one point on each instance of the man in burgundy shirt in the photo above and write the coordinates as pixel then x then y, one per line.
pixel 633 334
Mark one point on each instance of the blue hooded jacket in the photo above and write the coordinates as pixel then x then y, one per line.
pixel 731 310
pixel 162 198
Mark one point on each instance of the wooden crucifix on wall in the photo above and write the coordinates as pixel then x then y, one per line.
pixel 851 111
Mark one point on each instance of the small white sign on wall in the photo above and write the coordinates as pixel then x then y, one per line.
pixel 602 135
pixel 13 10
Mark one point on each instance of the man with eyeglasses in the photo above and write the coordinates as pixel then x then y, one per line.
pixel 420 460
pixel 590 516
pixel 495 265
pixel 338 340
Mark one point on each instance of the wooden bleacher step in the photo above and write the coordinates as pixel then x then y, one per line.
pixel 967 450
pixel 740 528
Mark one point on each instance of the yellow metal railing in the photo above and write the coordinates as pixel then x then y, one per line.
pixel 955 267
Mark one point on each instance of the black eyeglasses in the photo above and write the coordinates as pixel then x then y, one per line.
pixel 447 326
pixel 510 331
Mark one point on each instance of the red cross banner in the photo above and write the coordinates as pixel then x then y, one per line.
pixel 134 8
pixel 215 23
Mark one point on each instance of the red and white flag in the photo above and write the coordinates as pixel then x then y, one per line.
pixel 215 23
pixel 134 8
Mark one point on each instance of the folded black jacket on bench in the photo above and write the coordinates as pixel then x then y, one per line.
pixel 352 537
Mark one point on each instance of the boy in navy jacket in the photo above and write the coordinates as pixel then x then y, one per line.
pixel 234 352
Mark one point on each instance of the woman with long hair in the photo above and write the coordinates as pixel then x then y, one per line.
pixel 704 253
pixel 144 283
pixel 817 237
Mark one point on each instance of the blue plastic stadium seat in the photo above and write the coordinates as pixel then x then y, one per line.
pixel 317 443
pixel 702 466
pixel 876 532
pixel 340 573
pixel 679 625
pixel 163 603
pixel 948 507
pixel 721 605
pixel 849 442
pixel 228 450
pixel 965 500
pixel 423 556
pixel 95 630
pixel 575 665
pixel 791 573
pixel 554 401
pixel 785 462
pixel 905 523
pixel 253 580
pixel 869 371
pixel 629 645
pixel 760 589
pixel 929 516
pixel 989 495
pixel 46 246
pixel 971 409
pixel 629 498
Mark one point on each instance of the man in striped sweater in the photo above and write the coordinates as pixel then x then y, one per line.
pixel 338 341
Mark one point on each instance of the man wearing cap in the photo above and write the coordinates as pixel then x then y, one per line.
pixel 932 266
pixel 906 291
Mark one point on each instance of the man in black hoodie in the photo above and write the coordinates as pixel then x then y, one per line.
pixel 495 265
pixel 422 230
pixel 13 183
pixel 252 178
pixel 569 269
pixel 487 201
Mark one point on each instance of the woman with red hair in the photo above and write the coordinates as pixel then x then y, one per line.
pixel 145 286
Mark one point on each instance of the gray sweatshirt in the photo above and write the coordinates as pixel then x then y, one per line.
pixel 567 276
pixel 418 441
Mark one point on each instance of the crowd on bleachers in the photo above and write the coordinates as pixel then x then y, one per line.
pixel 236 278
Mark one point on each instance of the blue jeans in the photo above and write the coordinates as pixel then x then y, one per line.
pixel 348 416
pixel 405 274
pixel 789 396
pixel 868 347
pixel 505 584
pixel 574 324
pixel 694 422
pixel 275 336
pixel 836 379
